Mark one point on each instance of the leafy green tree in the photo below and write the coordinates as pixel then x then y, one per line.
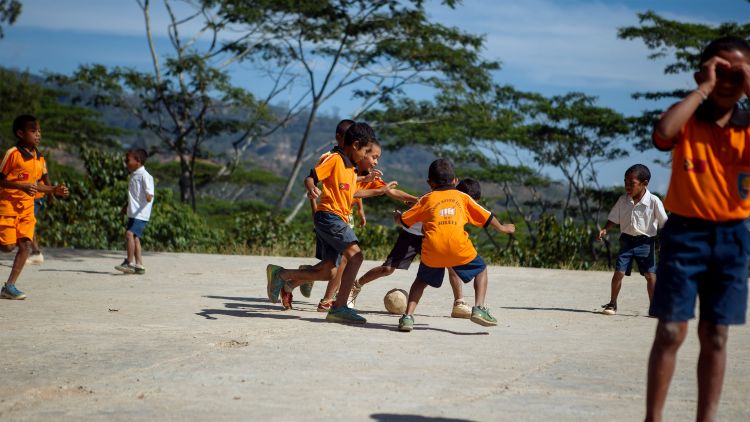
pixel 373 49
pixel 9 11
pixel 186 99
pixel 682 43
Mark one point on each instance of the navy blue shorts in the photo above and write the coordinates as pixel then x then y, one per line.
pixel 705 259
pixel 332 236
pixel 407 247
pixel 640 249
pixel 136 226
pixel 467 272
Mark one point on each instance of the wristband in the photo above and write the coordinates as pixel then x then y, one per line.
pixel 702 94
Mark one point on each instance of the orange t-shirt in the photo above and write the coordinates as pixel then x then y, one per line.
pixel 339 178
pixel 20 166
pixel 710 169
pixel 444 213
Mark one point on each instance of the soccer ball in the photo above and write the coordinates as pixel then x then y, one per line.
pixel 395 301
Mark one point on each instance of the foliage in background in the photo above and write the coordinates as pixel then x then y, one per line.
pixel 9 11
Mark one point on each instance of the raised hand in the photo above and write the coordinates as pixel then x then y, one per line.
pixel 706 77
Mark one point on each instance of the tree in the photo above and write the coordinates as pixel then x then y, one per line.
pixel 682 42
pixel 186 100
pixel 9 11
pixel 375 49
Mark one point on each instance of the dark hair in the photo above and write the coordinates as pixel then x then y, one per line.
pixel 728 43
pixel 21 121
pixel 343 125
pixel 470 187
pixel 640 172
pixel 359 132
pixel 441 172
pixel 139 154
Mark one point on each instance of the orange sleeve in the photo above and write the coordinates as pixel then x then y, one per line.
pixel 375 184
pixel 9 162
pixel 414 214
pixel 325 169
pixel 476 214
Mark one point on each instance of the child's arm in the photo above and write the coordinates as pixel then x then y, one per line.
pixel 673 120
pixel 57 190
pixel 361 212
pixel 603 232
pixel 372 175
pixel 502 228
pixel 312 190
pixel 367 193
pixel 29 188
pixel 402 196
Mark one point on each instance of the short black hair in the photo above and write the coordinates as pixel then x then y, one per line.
pixel 139 154
pixel 728 43
pixel 359 132
pixel 470 187
pixel 441 172
pixel 640 172
pixel 343 126
pixel 21 121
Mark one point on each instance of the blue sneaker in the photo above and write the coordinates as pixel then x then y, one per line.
pixel 9 291
pixel 345 315
pixel 406 323
pixel 275 283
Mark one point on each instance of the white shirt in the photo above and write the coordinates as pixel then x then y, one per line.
pixel 140 183
pixel 643 218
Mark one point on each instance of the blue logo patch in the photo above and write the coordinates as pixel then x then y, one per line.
pixel 743 185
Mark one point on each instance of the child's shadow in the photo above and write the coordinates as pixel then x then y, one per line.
pixel 260 307
pixel 583 311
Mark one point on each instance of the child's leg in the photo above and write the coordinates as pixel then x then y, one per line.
pixel 375 273
pixel 130 245
pixel 354 260
pixel 34 244
pixel 661 364
pixel 480 288
pixel 137 250
pixel 334 282
pixel 650 285
pixel 415 293
pixel 318 272
pixel 616 286
pixel 456 284
pixel 711 365
pixel 24 248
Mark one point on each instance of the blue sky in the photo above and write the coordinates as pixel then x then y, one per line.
pixel 546 46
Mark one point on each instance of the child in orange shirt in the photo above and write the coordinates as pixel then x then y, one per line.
pixel 443 212
pixel 20 172
pixel 334 236
pixel 705 244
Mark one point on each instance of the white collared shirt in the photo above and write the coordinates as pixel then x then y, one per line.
pixel 140 183
pixel 643 218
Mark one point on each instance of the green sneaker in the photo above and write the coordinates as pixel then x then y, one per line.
pixel 275 283
pixel 345 315
pixel 306 288
pixel 481 315
pixel 406 323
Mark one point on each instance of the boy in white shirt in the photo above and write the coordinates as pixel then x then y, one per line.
pixel 140 201
pixel 639 214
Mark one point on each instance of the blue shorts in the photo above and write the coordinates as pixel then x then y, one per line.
pixel 705 259
pixel 136 226
pixel 467 272
pixel 332 236
pixel 638 248
pixel 39 204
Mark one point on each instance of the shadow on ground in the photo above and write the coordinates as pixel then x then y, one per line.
pixel 262 308
pixel 391 417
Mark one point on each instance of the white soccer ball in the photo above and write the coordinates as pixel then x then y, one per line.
pixel 395 301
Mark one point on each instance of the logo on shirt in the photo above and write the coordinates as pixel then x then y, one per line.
pixel 695 166
pixel 743 185
pixel 23 176
pixel 447 212
pixel 343 186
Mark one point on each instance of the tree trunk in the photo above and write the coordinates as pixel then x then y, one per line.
pixel 298 160
pixel 186 180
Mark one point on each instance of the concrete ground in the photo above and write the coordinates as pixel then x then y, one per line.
pixel 196 339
